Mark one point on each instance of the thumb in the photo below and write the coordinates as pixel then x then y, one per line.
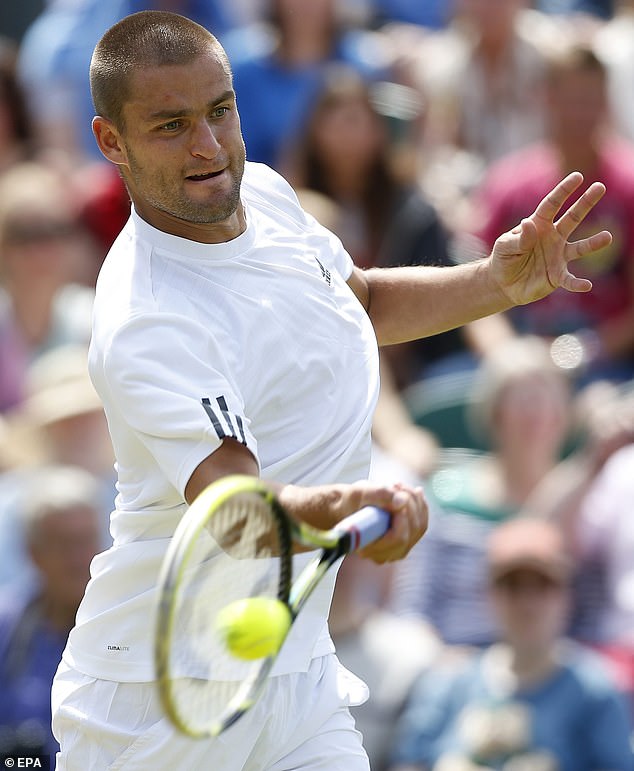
pixel 528 235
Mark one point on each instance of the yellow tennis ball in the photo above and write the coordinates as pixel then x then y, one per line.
pixel 254 627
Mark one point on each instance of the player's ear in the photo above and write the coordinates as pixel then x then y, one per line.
pixel 109 140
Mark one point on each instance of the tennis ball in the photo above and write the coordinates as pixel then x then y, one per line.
pixel 254 627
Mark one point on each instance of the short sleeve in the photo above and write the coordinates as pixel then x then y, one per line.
pixel 174 388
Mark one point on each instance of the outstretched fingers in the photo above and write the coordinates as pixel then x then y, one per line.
pixel 550 205
pixel 570 220
pixel 577 249
pixel 532 258
pixel 593 243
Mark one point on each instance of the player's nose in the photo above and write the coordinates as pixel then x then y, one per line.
pixel 203 142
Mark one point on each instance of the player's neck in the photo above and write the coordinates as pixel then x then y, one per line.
pixel 205 233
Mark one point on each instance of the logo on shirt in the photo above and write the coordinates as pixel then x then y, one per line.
pixel 325 274
pixel 226 424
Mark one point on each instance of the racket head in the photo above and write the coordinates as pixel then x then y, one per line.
pixel 234 542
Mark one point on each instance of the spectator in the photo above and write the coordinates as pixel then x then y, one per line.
pixel 603 9
pixel 278 83
pixel 15 452
pixel 345 151
pixel 590 496
pixel 432 13
pixel 62 533
pixel 599 324
pixel 482 77
pixel 520 404
pixel 16 135
pixel 605 532
pixel 614 42
pixel 43 257
pixel 104 208
pixel 6 457
pixel 531 700
pixel 63 411
pixel 61 422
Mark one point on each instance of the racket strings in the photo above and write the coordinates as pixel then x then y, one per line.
pixel 242 551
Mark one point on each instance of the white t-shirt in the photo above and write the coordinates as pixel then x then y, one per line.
pixel 259 338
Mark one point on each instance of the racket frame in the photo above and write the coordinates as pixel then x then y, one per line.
pixel 353 533
pixel 173 567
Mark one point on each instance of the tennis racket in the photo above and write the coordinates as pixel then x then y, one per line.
pixel 234 542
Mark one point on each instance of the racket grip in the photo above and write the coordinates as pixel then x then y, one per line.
pixel 365 526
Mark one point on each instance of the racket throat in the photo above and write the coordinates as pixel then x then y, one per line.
pixel 309 578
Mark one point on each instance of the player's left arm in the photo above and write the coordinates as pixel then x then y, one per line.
pixel 526 264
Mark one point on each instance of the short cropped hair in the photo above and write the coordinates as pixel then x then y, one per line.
pixel 144 39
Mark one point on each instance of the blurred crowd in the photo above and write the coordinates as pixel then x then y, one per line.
pixel 418 131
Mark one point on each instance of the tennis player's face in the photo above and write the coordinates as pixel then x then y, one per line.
pixel 183 148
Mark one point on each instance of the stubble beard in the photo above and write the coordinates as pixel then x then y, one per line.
pixel 161 195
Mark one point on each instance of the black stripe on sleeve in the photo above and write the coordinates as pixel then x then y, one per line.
pixel 214 419
pixel 228 419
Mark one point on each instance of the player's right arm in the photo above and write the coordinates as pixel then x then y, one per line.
pixel 324 505
pixel 231 457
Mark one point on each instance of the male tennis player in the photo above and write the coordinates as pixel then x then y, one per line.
pixel 232 334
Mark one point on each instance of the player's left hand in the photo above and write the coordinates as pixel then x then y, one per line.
pixel 531 261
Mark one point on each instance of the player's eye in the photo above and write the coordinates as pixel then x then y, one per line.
pixel 172 125
pixel 219 112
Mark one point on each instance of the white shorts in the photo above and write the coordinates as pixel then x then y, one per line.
pixel 301 721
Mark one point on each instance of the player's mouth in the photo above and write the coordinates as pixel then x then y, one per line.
pixel 202 177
